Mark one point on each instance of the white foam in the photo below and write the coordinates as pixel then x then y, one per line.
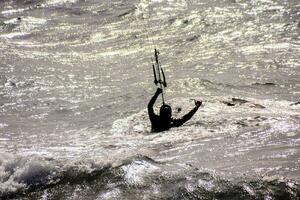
pixel 60 2
pixel 208 185
pixel 3 125
pixel 14 35
pixel 136 123
pixel 13 11
pixel 11 21
pixel 26 25
pixel 136 171
pixel 29 23
pixel 112 194
pixel 17 172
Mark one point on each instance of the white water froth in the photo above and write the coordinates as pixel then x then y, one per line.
pixel 135 172
pixel 24 26
pixel 17 172
pixel 59 2
pixel 45 4
pixel 3 125
pixel 136 123
pixel 213 121
pixel 13 35
pixel 214 110
pixel 13 11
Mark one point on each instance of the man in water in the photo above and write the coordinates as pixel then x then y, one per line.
pixel 165 121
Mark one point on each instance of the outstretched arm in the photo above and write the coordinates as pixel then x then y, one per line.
pixel 152 101
pixel 188 116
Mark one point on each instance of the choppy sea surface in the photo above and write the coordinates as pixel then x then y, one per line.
pixel 76 78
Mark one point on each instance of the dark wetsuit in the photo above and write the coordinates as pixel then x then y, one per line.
pixel 159 124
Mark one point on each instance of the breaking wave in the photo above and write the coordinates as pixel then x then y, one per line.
pixel 138 177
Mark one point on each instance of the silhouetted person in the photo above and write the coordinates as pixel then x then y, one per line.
pixel 165 121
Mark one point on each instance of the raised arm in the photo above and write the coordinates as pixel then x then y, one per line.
pixel 186 117
pixel 151 103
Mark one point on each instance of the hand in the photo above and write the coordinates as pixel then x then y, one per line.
pixel 159 90
pixel 198 103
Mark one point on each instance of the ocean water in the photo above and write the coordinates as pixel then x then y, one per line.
pixel 76 78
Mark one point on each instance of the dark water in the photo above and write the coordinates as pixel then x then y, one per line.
pixel 76 77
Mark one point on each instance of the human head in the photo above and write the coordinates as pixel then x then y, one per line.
pixel 165 112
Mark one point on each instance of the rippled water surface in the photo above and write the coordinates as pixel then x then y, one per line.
pixel 76 78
